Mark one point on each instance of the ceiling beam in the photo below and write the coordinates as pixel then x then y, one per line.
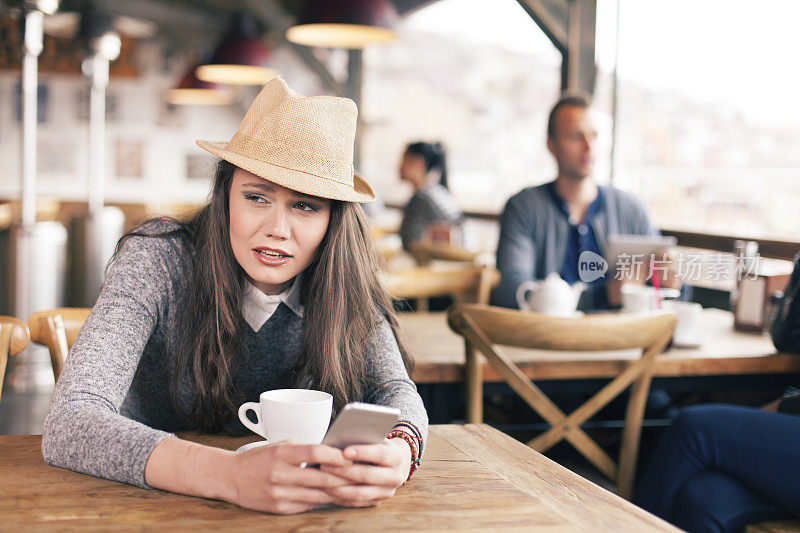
pixel 552 17
pixel 581 67
pixel 570 25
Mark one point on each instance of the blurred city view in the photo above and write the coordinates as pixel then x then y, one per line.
pixel 716 155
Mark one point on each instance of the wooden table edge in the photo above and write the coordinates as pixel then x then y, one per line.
pixel 474 446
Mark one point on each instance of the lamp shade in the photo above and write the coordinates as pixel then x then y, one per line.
pixel 192 91
pixel 345 24
pixel 241 57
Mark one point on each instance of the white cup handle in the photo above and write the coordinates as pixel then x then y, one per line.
pixel 522 290
pixel 255 407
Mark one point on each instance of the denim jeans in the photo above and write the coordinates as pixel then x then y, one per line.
pixel 720 467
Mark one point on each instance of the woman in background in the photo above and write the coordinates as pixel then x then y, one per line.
pixel 432 207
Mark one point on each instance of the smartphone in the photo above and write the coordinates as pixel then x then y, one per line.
pixel 361 423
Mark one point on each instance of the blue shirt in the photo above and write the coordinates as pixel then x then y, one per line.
pixel 534 234
pixel 581 238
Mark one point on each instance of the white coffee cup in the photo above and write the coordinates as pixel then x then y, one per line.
pixel 643 298
pixel 638 298
pixel 301 415
pixel 687 330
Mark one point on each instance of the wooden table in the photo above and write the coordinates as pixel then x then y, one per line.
pixel 473 478
pixel 439 354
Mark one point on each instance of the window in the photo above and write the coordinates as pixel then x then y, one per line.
pixel 708 120
pixel 479 76
pixel 708 130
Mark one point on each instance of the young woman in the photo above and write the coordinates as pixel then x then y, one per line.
pixel 271 285
pixel 423 166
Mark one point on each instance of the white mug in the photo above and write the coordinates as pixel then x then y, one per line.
pixel 687 330
pixel 643 299
pixel 638 298
pixel 301 415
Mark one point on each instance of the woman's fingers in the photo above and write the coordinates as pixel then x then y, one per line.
pixel 307 477
pixel 280 483
pixel 382 454
pixel 370 503
pixel 292 458
pixel 292 494
pixel 298 454
pixel 383 464
pixel 361 495
pixel 365 474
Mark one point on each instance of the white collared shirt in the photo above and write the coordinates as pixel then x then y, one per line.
pixel 258 307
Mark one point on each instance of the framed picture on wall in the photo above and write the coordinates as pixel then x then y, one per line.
pixel 56 156
pixel 170 116
pixel 82 99
pixel 42 103
pixel 200 167
pixel 129 158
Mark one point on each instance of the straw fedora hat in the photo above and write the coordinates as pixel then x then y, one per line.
pixel 304 144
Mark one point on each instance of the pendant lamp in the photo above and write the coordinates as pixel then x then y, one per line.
pixel 241 58
pixel 192 91
pixel 345 24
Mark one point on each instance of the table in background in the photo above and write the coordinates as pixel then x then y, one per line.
pixel 439 354
pixel 473 478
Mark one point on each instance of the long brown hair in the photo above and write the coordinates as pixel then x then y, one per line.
pixel 344 301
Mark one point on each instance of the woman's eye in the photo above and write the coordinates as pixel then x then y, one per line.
pixel 303 206
pixel 256 198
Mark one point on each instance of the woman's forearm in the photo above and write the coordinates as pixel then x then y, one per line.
pixel 189 468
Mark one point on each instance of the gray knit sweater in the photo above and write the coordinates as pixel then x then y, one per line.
pixel 112 403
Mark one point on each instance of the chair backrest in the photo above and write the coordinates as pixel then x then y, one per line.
pixel 425 252
pixel 13 339
pixel 57 330
pixel 600 332
pixel 484 327
pixel 421 283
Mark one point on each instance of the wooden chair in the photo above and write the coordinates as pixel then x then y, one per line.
pixel 425 252
pixel 483 327
pixel 14 338
pixel 57 330
pixel 461 282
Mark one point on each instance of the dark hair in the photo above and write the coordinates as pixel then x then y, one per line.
pixel 344 305
pixel 570 100
pixel 433 155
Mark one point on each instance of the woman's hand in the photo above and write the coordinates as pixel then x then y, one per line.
pixel 270 478
pixel 369 484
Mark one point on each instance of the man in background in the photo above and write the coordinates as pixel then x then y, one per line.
pixel 545 228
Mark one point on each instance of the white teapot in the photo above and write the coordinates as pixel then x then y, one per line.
pixel 551 296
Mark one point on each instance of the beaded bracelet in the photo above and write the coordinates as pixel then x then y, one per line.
pixel 397 433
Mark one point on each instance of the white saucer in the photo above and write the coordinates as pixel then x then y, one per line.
pixel 251 445
pixel 690 342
